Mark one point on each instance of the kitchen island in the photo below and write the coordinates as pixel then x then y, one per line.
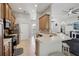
pixel 47 44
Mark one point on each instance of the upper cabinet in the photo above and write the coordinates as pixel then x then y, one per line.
pixel 8 14
pixel 44 23
pixel 7 11
pixel 1 11
pixel 13 19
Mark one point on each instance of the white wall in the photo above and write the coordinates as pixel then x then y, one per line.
pixel 58 16
pixel 46 11
pixel 69 20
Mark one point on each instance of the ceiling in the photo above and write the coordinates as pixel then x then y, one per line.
pixel 42 7
pixel 26 7
pixel 59 8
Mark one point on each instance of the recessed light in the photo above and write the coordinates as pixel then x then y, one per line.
pixel 20 8
pixel 33 24
pixel 36 5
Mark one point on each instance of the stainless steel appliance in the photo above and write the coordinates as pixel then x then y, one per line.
pixel 7 24
pixel 1 37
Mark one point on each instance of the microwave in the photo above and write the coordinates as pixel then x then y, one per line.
pixel 7 24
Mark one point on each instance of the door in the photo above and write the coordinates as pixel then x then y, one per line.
pixel 53 27
pixel 24 31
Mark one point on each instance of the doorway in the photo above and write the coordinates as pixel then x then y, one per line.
pixel 24 31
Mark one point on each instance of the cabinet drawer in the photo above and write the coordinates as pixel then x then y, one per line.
pixel 1 51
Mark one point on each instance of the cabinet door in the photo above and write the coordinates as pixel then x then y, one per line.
pixel 0 10
pixel 13 20
pixel 37 47
pixel 7 12
pixel 10 13
pixel 44 23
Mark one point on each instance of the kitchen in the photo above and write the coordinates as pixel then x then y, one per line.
pixel 10 33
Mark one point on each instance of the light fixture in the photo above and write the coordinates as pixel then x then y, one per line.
pixel 33 24
pixel 20 8
pixel 36 5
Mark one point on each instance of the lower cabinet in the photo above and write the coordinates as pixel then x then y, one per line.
pixel 1 47
pixel 37 47
pixel 8 49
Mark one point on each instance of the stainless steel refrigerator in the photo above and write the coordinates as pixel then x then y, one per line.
pixel 1 37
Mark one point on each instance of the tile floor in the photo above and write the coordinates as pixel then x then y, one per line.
pixel 24 49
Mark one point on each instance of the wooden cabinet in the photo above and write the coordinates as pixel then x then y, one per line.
pixel 1 10
pixel 13 20
pixel 8 47
pixel 9 14
pixel 7 11
pixel 44 23
pixel 5 14
pixel 37 47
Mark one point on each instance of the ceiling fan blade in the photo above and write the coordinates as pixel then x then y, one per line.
pixel 74 12
pixel 71 9
pixel 68 14
pixel 66 11
pixel 77 9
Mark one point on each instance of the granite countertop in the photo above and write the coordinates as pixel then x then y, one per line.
pixel 8 38
pixel 10 35
pixel 45 38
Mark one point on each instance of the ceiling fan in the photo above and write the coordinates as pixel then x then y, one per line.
pixel 72 11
